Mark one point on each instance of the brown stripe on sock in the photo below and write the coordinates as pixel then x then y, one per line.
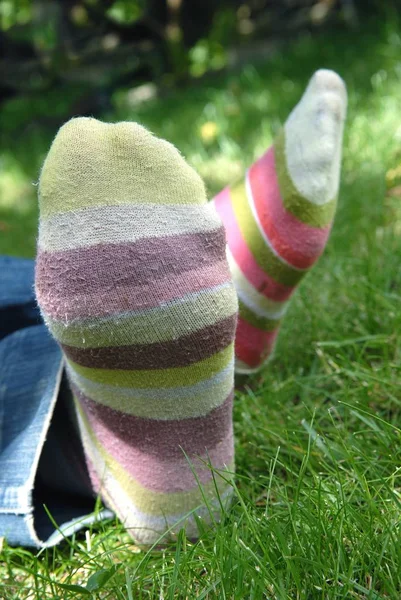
pixel 105 266
pixel 180 352
pixel 166 439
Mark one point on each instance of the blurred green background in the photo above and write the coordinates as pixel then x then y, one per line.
pixel 215 77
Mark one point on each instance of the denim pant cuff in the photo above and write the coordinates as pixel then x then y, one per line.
pixel 31 371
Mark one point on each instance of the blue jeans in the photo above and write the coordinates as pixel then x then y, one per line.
pixel 41 457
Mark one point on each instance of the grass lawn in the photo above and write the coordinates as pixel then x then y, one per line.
pixel 317 510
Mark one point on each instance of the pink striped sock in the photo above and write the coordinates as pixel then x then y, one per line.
pixel 278 218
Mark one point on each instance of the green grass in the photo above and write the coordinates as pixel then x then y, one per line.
pixel 317 509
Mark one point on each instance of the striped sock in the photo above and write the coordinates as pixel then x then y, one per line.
pixel 133 282
pixel 278 219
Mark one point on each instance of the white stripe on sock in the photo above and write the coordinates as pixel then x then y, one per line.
pixel 123 223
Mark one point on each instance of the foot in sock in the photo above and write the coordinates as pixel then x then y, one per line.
pixel 133 282
pixel 278 218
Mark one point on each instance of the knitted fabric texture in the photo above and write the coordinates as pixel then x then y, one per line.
pixel 133 283
pixel 278 218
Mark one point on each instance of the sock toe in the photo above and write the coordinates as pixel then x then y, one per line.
pixel 313 137
pixel 95 163
pixel 327 80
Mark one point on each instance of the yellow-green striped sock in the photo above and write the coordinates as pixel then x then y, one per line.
pixel 133 282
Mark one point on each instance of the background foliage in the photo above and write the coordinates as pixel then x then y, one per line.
pixel 114 58
pixel 88 48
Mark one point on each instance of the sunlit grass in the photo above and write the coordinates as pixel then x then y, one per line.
pixel 317 506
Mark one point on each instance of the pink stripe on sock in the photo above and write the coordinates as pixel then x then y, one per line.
pixel 252 345
pixel 243 256
pixel 166 475
pixel 93 475
pixel 153 451
pixel 164 439
pixel 297 243
pixel 60 304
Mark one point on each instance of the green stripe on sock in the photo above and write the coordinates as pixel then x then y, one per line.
pixel 161 378
pixel 262 323
pixel 166 403
pixel 265 258
pixel 309 213
pixel 170 321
